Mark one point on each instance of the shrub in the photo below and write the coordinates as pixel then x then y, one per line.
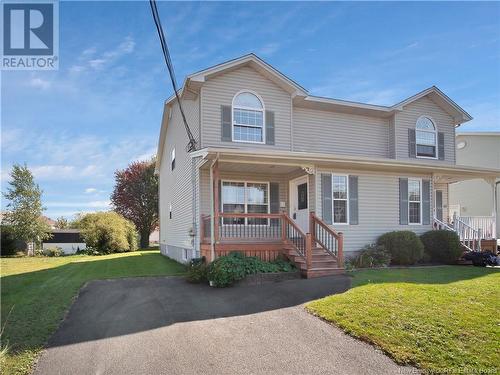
pixel 228 269
pixel 197 271
pixel 404 246
pixel 108 232
pixel 53 251
pixel 8 245
pixel 442 246
pixel 372 255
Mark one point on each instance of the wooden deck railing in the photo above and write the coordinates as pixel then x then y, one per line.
pixel 331 241
pixel 232 227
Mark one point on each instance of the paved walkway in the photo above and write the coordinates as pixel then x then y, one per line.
pixel 167 326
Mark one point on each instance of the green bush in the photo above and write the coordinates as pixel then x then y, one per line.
pixel 228 269
pixel 8 245
pixel 108 232
pixel 53 251
pixel 404 246
pixel 372 255
pixel 442 246
pixel 197 271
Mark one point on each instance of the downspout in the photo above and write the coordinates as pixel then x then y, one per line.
pixel 495 206
pixel 212 211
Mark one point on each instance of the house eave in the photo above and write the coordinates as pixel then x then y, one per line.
pixel 321 160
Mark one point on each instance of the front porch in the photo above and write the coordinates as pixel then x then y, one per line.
pixel 267 211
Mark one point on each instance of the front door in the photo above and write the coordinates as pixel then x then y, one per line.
pixel 299 202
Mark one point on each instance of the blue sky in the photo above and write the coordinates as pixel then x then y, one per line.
pixel 102 109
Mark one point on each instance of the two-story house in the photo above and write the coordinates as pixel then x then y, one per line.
pixel 277 170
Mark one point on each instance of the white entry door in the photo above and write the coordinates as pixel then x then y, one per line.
pixel 299 202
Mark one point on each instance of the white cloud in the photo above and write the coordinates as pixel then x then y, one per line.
pixel 39 83
pixel 90 190
pixel 89 60
pixel 268 49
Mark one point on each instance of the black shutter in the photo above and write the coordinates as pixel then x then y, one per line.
pixel 426 202
pixel 326 197
pixel 412 143
pixel 269 128
pixel 274 197
pixel 227 129
pixel 441 146
pixel 403 201
pixel 353 200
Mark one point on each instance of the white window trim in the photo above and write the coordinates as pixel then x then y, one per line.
pixel 337 199
pixel 435 132
pixel 185 254
pixel 420 201
pixel 170 211
pixel 250 109
pixel 245 182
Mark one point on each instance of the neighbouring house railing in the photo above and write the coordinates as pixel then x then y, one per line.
pixel 470 238
pixel 331 241
pixel 487 224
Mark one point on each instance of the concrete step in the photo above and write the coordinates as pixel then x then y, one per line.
pixel 319 272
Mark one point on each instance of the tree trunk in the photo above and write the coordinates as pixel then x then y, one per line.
pixel 145 238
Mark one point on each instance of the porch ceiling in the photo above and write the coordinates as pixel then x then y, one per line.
pixel 242 167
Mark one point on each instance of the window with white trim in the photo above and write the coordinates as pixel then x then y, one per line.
pixel 170 211
pixel 340 192
pixel 248 118
pixel 426 137
pixel 185 254
pixel 414 201
pixel 172 159
pixel 245 197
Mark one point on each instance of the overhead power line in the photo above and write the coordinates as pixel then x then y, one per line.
pixel 166 54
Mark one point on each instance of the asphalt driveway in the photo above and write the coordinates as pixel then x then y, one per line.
pixel 167 326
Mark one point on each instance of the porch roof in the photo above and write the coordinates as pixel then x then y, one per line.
pixel 309 161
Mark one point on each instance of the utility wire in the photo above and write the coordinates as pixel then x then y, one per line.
pixel 191 146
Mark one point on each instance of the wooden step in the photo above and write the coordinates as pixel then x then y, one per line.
pixel 319 272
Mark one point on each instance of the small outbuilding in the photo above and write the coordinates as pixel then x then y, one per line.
pixel 69 240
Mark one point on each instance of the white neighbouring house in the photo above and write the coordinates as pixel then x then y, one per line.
pixel 473 200
pixel 277 170
pixel 68 240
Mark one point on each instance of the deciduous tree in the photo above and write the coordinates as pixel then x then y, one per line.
pixel 24 210
pixel 135 196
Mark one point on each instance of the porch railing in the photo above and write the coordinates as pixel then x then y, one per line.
pixel 331 241
pixel 262 227
pixel 232 227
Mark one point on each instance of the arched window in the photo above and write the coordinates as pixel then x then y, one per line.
pixel 248 118
pixel 426 138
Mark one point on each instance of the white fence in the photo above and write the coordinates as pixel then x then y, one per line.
pixel 485 224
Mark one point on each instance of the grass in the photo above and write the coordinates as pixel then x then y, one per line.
pixel 440 319
pixel 40 290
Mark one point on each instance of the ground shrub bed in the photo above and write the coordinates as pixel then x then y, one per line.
pixel 442 246
pixel 228 269
pixel 372 255
pixel 404 246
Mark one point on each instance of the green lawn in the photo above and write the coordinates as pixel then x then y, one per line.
pixel 40 290
pixel 438 319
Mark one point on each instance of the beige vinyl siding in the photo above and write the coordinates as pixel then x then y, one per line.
pixel 392 137
pixel 408 118
pixel 378 202
pixel 177 186
pixel 220 90
pixel 339 133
